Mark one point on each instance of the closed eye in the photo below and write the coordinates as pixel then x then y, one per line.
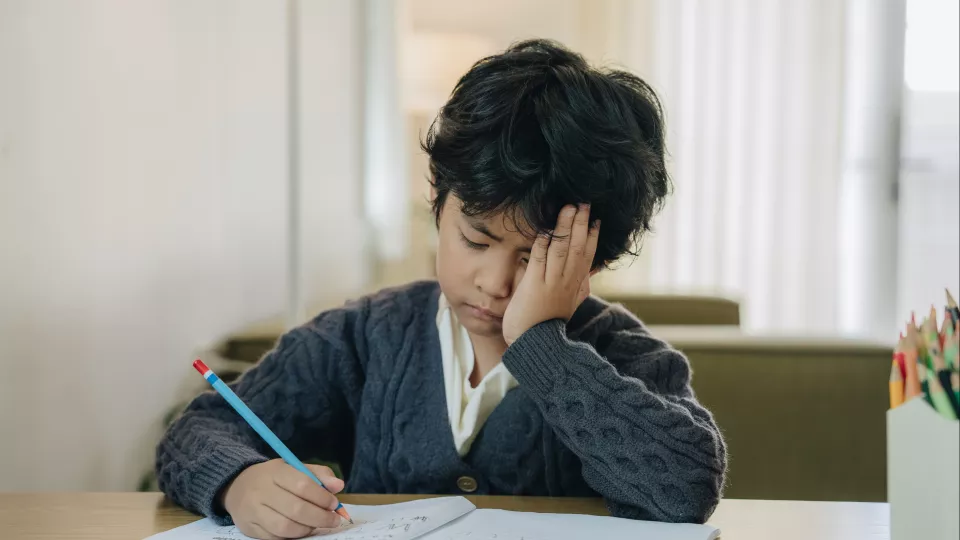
pixel 471 244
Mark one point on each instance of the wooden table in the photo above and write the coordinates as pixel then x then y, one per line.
pixel 134 516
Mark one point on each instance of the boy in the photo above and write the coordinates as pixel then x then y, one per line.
pixel 504 376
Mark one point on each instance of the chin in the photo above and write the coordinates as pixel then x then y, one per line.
pixel 484 330
pixel 479 327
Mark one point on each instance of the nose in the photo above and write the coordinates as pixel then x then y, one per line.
pixel 496 280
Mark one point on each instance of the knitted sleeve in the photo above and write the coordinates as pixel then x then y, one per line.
pixel 299 390
pixel 646 445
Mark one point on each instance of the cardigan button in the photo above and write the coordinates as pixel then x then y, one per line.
pixel 467 484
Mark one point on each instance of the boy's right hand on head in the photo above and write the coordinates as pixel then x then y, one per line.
pixel 272 500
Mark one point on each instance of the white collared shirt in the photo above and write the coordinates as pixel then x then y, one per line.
pixel 467 407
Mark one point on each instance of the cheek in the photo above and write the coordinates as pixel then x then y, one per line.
pixel 521 270
pixel 453 261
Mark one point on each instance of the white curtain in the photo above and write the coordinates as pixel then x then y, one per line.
pixel 753 92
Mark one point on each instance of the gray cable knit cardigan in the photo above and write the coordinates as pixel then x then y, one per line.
pixel 602 408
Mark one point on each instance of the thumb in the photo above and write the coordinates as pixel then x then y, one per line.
pixel 326 475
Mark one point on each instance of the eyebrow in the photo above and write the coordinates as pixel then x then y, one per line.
pixel 481 228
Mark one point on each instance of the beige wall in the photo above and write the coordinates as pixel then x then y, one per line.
pixel 143 211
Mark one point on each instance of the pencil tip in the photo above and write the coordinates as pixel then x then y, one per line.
pixel 344 514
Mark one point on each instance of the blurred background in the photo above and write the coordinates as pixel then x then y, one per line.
pixel 177 172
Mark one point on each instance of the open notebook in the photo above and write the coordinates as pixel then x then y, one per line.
pixel 456 518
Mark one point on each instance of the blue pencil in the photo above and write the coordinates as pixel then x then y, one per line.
pixel 261 428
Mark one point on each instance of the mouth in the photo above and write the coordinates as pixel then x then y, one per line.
pixel 484 313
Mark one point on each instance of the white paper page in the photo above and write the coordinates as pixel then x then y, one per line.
pixel 505 525
pixel 402 521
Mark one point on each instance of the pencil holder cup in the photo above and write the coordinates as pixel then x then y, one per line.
pixel 923 473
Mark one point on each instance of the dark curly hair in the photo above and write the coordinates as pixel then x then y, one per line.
pixel 534 128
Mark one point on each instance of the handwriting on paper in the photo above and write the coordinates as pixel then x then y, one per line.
pixel 401 521
pixel 391 529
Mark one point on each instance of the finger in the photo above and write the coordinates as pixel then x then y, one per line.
pixel 329 479
pixel 560 243
pixel 578 241
pixel 299 510
pixel 538 256
pixel 277 524
pixel 254 530
pixel 304 487
pixel 584 291
pixel 593 236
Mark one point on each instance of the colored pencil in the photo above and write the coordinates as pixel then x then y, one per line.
pixel 939 398
pixel 899 358
pixel 911 387
pixel 950 350
pixel 951 357
pixel 931 338
pixel 924 384
pixel 919 342
pixel 268 436
pixel 919 359
pixel 896 386
pixel 954 348
pixel 952 307
pixel 941 383
pixel 936 389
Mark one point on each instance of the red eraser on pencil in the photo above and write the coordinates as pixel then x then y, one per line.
pixel 200 366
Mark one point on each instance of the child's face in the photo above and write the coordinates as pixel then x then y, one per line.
pixel 480 261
